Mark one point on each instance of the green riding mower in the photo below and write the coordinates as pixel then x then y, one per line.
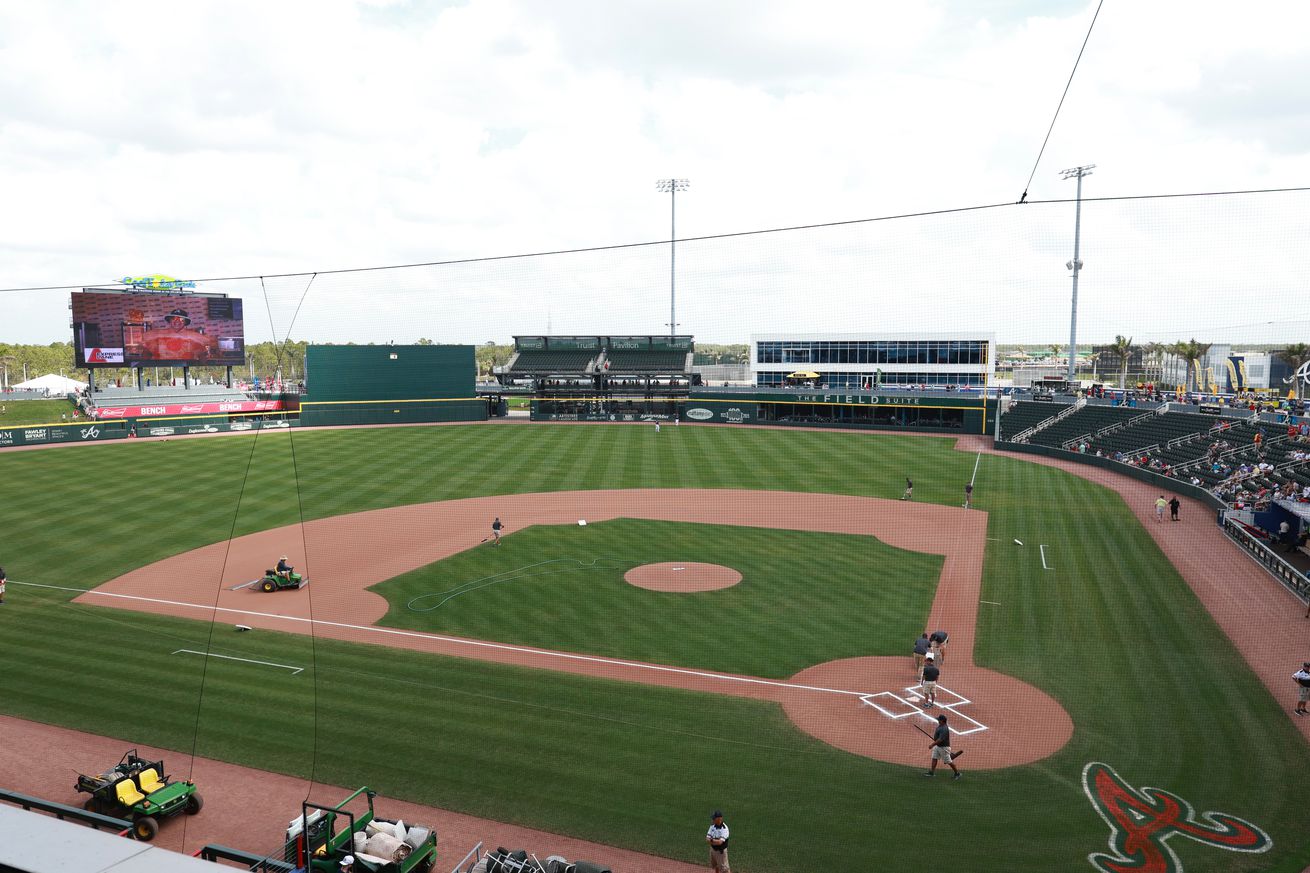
pixel 274 581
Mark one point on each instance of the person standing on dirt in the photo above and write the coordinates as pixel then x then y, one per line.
pixel 928 682
pixel 1174 503
pixel 921 647
pixel 717 837
pixel 496 528
pixel 938 639
pixel 1302 679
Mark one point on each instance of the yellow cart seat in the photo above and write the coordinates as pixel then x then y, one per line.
pixel 127 793
pixel 149 780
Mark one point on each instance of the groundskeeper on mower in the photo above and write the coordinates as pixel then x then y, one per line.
pixel 138 790
pixel 274 581
pixel 324 836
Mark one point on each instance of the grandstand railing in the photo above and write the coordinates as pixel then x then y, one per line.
pixel 1109 428
pixel 1293 579
pixel 1024 435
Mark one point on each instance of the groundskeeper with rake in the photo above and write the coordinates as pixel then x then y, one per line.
pixel 941 748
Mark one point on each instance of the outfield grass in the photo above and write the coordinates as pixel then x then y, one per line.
pixel 21 412
pixel 1112 632
pixel 804 598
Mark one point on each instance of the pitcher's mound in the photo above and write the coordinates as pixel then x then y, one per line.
pixel 682 577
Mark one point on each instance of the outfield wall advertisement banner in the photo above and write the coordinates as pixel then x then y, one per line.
pixel 188 409
pixel 112 329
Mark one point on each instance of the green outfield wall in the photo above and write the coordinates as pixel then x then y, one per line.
pixel 390 385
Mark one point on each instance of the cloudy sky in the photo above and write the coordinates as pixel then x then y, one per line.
pixel 234 139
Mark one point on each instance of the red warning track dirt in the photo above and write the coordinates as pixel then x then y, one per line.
pixel 254 820
pixel 346 554
pixel 682 577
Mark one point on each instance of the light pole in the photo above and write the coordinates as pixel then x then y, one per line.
pixel 1075 265
pixel 673 186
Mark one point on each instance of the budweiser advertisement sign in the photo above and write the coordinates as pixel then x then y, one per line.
pixel 188 409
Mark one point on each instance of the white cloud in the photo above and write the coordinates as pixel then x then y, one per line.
pixel 212 138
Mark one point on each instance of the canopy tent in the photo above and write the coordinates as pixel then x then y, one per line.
pixel 51 382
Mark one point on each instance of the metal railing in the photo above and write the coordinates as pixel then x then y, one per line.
pixel 214 852
pixel 63 812
pixel 1293 579
pixel 474 855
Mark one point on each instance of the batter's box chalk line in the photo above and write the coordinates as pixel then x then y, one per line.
pixel 895 706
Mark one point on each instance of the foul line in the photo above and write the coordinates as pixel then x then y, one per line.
pixel 975 468
pixel 990 602
pixel 294 670
pixel 568 656
pixel 1042 549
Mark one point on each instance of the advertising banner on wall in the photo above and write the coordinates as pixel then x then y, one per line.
pixel 112 329
pixel 188 409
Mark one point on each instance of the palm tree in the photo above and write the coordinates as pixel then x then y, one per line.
pixel 1055 349
pixel 1295 355
pixel 1123 347
pixel 1192 352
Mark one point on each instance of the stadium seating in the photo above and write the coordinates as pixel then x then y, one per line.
pixel 1084 422
pixel 1025 414
pixel 553 362
pixel 647 362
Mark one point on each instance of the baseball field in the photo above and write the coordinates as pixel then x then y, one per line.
pixel 1108 721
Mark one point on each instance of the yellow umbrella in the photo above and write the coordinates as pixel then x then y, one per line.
pixel 803 375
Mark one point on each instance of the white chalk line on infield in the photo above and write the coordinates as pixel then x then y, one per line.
pixel 975 468
pixel 483 644
pixel 1042 549
pixel 990 602
pixel 912 707
pixel 294 670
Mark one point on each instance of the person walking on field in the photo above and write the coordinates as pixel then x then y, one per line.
pixel 909 489
pixel 1302 679
pixel 941 749
pixel 1160 504
pixel 968 495
pixel 2 585
pixel 1174 503
pixel 496 528
pixel 718 840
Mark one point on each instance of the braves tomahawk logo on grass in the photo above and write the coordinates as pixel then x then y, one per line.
pixel 1143 821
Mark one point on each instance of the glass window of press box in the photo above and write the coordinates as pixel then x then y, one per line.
pixel 872 352
pixel 869 380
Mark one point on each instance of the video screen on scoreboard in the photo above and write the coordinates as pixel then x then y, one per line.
pixel 116 330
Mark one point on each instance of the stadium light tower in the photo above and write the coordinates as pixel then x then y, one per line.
pixel 1075 265
pixel 673 186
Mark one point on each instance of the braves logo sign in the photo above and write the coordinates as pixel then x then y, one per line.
pixel 1143 821
pixel 1301 375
